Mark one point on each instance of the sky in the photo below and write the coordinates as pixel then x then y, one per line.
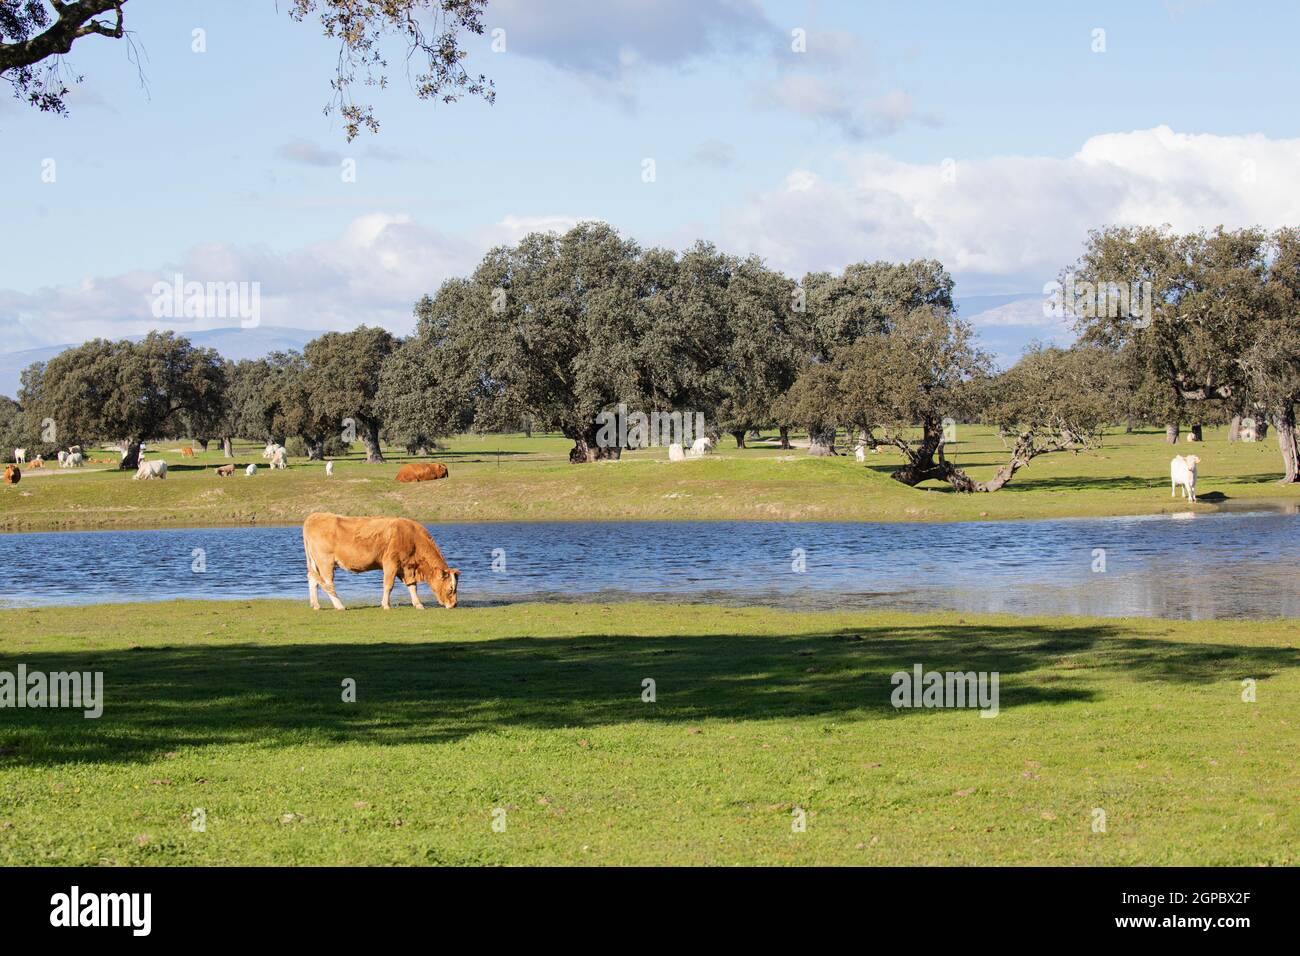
pixel 989 135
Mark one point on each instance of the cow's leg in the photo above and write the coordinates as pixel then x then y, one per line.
pixel 311 591
pixel 390 574
pixel 415 596
pixel 327 582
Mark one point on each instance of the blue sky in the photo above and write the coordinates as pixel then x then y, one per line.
pixel 990 135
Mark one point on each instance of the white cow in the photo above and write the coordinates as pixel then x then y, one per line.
pixel 269 450
pixel 251 470
pixel 676 452
pixel 329 469
pixel 151 469
pixel 20 456
pixel 1182 474
pixel 75 460
pixel 860 453
pixel 63 459
pixel 702 446
pixel 277 457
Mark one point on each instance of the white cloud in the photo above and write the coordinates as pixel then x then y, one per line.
pixel 611 40
pixel 1013 222
pixel 308 153
pixel 373 273
pixel 834 101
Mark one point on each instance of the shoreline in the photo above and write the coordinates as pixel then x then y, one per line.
pixel 1235 505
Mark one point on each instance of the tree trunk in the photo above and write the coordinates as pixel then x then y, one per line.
pixel 131 460
pixel 1284 422
pixel 227 448
pixel 1195 434
pixel 1234 429
pixel 315 448
pixel 821 441
pixel 1171 434
pixel 1128 426
pixel 370 437
pixel 587 448
pixel 740 438
pixel 785 436
pixel 1261 428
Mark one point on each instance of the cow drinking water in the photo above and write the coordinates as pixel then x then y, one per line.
pixel 398 546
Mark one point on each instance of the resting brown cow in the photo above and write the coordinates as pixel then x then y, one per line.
pixel 12 475
pixel 225 471
pixel 421 471
pixel 399 546
pixel 187 452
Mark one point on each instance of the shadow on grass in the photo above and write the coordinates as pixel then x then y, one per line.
pixel 160 699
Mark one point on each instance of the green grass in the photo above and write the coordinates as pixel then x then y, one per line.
pixel 513 478
pixel 536 709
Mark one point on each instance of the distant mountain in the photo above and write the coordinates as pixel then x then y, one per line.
pixel 1007 323
pixel 233 343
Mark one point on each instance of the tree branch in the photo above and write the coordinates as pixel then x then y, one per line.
pixel 75 20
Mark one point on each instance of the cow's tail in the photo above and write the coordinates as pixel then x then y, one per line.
pixel 313 572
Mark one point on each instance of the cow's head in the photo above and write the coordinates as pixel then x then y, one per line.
pixel 443 582
pixel 1193 461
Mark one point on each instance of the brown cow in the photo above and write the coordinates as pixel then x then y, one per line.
pixel 225 471
pixel 421 471
pixel 187 452
pixel 13 475
pixel 397 545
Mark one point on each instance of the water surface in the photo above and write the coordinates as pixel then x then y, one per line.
pixel 1229 565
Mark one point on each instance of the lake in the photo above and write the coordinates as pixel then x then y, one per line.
pixel 1224 565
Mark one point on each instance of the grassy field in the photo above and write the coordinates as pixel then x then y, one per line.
pixel 537 711
pixel 513 478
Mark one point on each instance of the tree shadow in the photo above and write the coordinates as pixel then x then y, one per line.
pixel 165 698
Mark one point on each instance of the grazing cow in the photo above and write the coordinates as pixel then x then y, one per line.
pixel 151 469
pixel 702 446
pixel 329 469
pixel 38 462
pixel 251 470
pixel 20 456
pixel 676 452
pixel 75 460
pixel 225 471
pixel 187 452
pixel 400 546
pixel 270 448
pixel 422 471
pixel 1182 474
pixel 12 475
pixel 63 459
pixel 277 457
pixel 860 453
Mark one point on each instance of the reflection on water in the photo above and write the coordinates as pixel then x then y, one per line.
pixel 1204 566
